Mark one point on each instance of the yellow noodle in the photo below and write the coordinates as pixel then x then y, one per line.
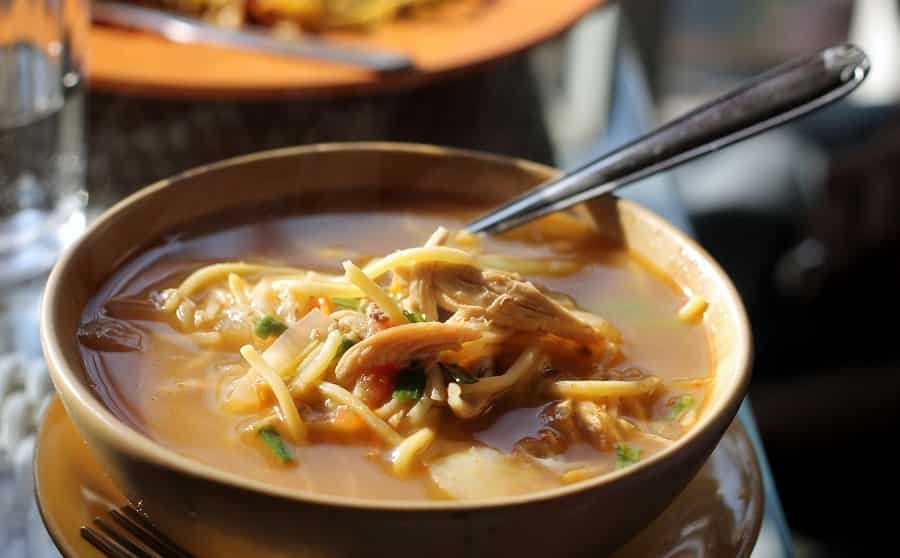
pixel 269 419
pixel 309 287
pixel 262 297
pixel 221 296
pixel 211 273
pixel 404 455
pixel 289 412
pixel 582 473
pixel 410 256
pixel 371 289
pixel 693 310
pixel 238 288
pixel 308 354
pixel 520 369
pixel 462 408
pixel 245 382
pixel 379 426
pixel 596 389
pixel 313 371
pixel 389 408
pixel 395 419
pixel 209 312
pixel 172 300
pixel 185 313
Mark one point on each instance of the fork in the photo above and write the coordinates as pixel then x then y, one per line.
pixel 130 535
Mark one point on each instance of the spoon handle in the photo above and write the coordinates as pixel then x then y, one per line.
pixel 786 92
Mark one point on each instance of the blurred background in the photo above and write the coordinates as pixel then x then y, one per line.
pixel 804 219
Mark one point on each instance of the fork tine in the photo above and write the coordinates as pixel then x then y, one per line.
pixel 108 547
pixel 121 539
pixel 140 527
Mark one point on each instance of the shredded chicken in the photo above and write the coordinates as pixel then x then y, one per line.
pixel 471 400
pixel 507 302
pixel 590 418
pixel 422 297
pixel 376 320
pixel 603 426
pixel 402 344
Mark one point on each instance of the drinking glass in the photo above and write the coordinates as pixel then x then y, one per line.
pixel 42 147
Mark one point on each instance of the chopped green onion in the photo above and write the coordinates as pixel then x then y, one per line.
pixel 414 317
pixel 267 326
pixel 458 373
pixel 344 302
pixel 410 383
pixel 626 455
pixel 680 405
pixel 346 343
pixel 276 444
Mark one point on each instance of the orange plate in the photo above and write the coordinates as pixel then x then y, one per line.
pixel 440 44
pixel 718 514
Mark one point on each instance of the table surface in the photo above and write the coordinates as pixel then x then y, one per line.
pixel 506 122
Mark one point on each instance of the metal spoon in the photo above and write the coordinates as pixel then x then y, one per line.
pixel 769 100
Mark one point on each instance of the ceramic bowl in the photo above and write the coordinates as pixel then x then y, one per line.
pixel 181 494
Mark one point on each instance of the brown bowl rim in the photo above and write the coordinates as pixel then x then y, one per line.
pixel 139 445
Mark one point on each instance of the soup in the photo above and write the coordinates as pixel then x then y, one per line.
pixel 389 355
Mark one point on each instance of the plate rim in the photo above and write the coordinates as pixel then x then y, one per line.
pixel 756 510
pixel 366 83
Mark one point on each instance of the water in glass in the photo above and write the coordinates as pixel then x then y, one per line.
pixel 42 155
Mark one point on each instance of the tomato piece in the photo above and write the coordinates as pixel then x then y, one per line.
pixel 377 384
pixel 347 421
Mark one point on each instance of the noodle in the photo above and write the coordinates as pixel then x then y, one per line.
pixel 524 366
pixel 374 292
pixel 693 310
pixel 238 288
pixel 404 455
pixel 376 423
pixel 411 256
pixel 185 313
pixel 289 412
pixel 313 371
pixel 388 409
pixel 309 287
pixel 598 389
pixel 211 273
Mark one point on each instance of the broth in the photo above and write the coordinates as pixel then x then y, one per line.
pixel 171 387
